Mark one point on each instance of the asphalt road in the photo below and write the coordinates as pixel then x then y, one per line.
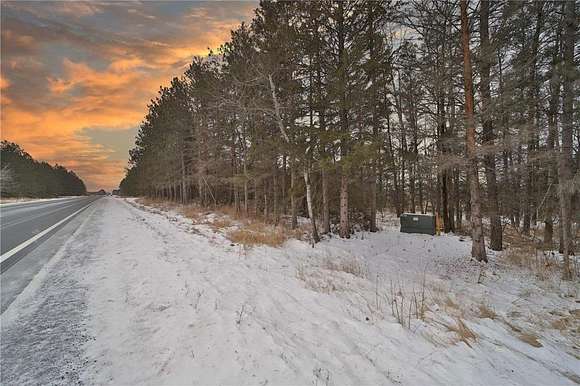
pixel 25 226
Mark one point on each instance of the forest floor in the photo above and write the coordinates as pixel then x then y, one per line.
pixel 145 294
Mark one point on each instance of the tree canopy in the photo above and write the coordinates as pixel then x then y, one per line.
pixel 338 109
pixel 22 176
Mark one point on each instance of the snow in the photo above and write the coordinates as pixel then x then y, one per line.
pixel 147 297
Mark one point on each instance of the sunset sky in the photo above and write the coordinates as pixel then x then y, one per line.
pixel 77 76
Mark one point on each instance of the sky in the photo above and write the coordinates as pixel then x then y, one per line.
pixel 76 77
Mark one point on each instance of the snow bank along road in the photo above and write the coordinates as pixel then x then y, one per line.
pixel 26 226
pixel 137 296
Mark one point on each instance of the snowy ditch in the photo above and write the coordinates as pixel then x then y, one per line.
pixel 397 287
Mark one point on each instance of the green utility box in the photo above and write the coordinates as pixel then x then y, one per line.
pixel 418 223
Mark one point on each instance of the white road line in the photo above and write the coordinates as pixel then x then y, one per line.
pixel 5 225
pixel 20 247
pixel 39 201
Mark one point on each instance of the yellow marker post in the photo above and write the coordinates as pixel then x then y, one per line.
pixel 438 225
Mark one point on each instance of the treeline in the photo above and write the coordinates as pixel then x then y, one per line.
pixel 335 110
pixel 22 176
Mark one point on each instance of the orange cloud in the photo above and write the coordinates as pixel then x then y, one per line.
pixel 105 78
pixel 4 84
pixel 114 98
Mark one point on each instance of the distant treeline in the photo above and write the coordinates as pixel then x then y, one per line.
pixel 22 176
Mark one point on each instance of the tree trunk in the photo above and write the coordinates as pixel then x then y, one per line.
pixel 315 237
pixel 533 131
pixel 488 135
pixel 344 126
pixel 565 159
pixel 391 155
pixel 266 202
pixel 421 194
pixel 275 204
pixel 325 203
pixel 344 224
pixel 478 246
pixel 457 195
pixel 256 198
pixel 183 182
pixel 293 211
pixel 373 103
pixel 284 205
pixel 551 146
pixel 373 203
pixel 246 193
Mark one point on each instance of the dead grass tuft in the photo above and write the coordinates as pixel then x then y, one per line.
pixel 156 203
pixel 513 326
pixel 231 212
pixel 192 212
pixel 486 312
pixel 528 252
pixel 316 280
pixel 255 230
pixel 450 304
pixel 351 266
pixel 530 338
pixel 221 223
pixel 528 257
pixel 519 255
pixel 407 304
pixel 561 324
pixel 463 332
pixel 256 233
pixel 302 232
pixel 301 272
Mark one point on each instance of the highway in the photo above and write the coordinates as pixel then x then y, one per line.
pixel 30 234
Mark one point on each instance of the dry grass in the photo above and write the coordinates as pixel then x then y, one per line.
pixel 254 230
pixel 486 311
pixel 530 338
pixel 352 266
pixel 521 256
pixel 440 294
pixel 156 203
pixel 562 324
pixel 192 212
pixel 302 232
pixel 239 215
pixel 316 280
pixel 257 233
pixel 529 252
pixel 513 237
pixel 301 272
pixel 231 212
pixel 530 258
pixel 221 223
pixel 463 332
pixel 513 326
pixel 407 304
pixel 450 303
pixel 450 306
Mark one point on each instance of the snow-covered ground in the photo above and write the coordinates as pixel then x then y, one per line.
pixel 142 296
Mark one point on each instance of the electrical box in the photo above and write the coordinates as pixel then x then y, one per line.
pixel 418 223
